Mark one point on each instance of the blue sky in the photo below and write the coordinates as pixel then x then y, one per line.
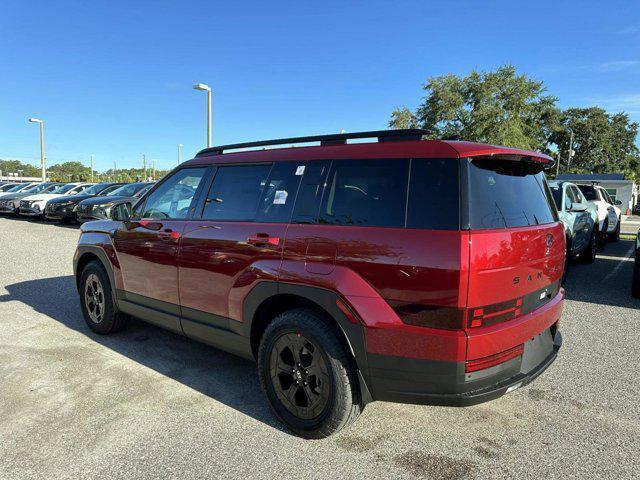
pixel 114 78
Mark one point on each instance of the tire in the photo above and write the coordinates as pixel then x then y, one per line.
pixel 589 254
pixel 105 319
pixel 615 235
pixel 306 342
pixel 635 283
pixel 604 234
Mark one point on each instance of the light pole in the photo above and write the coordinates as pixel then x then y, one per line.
pixel 569 155
pixel 91 168
pixel 206 88
pixel 42 165
pixel 179 153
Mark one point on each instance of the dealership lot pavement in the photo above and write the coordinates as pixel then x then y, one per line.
pixel 146 403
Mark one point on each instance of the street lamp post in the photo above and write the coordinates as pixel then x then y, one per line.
pixel 206 88
pixel 179 153
pixel 42 165
pixel 91 168
pixel 569 154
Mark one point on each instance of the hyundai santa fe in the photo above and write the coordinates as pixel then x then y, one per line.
pixel 403 269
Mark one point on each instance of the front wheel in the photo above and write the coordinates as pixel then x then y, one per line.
pixel 96 300
pixel 308 374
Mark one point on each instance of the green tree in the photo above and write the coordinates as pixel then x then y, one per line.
pixel 500 107
pixel 69 172
pixel 402 117
pixel 16 166
pixel 602 142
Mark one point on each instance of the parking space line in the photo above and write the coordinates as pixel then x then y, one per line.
pixel 627 257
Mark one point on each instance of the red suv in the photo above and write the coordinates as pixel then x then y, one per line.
pixel 403 270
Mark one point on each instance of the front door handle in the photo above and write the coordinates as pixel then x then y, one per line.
pixel 169 235
pixel 263 239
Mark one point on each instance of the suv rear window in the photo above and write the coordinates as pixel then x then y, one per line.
pixel 507 194
pixel 589 192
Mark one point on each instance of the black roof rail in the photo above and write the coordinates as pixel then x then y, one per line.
pixel 333 139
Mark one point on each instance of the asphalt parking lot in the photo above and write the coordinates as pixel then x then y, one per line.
pixel 146 403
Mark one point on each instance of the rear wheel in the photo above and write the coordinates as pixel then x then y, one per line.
pixel 589 254
pixel 96 300
pixel 308 374
pixel 615 235
pixel 602 240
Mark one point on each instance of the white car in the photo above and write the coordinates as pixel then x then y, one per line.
pixel 20 187
pixel 33 205
pixel 609 215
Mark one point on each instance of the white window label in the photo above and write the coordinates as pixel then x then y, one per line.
pixel 300 170
pixel 281 197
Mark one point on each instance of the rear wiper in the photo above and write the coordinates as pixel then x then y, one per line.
pixel 501 214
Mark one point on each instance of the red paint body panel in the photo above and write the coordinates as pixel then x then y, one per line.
pixel 497 257
pixel 219 264
pixel 148 257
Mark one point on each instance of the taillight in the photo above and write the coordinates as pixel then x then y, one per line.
pixel 430 316
pixel 496 313
pixel 492 360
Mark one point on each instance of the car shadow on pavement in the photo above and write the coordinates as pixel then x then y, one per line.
pixel 607 281
pixel 226 378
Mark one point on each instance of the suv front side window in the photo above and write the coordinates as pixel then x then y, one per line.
pixel 173 198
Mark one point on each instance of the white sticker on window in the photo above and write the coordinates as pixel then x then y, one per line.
pixel 280 197
pixel 300 170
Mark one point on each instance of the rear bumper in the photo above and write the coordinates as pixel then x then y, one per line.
pixel 405 380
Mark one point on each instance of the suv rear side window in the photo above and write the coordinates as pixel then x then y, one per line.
pixel 235 192
pixel 366 193
pixel 279 194
pixel 507 194
pixel 434 194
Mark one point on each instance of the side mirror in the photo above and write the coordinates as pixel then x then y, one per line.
pixel 617 203
pixel 121 212
pixel 578 207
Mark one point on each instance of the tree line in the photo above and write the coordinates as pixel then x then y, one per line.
pixel 504 107
pixel 78 172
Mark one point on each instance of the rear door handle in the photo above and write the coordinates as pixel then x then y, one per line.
pixel 263 239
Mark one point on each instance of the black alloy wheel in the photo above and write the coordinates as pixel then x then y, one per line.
pixel 299 375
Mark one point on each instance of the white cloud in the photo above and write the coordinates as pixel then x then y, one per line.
pixel 630 30
pixel 618 65
pixel 629 103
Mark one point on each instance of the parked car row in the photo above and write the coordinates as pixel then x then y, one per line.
pixel 69 202
pixel 589 216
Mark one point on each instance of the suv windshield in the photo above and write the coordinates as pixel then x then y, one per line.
pixel 17 188
pixel 589 192
pixel 42 187
pixel 507 194
pixel 95 189
pixel 127 190
pixel 63 188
